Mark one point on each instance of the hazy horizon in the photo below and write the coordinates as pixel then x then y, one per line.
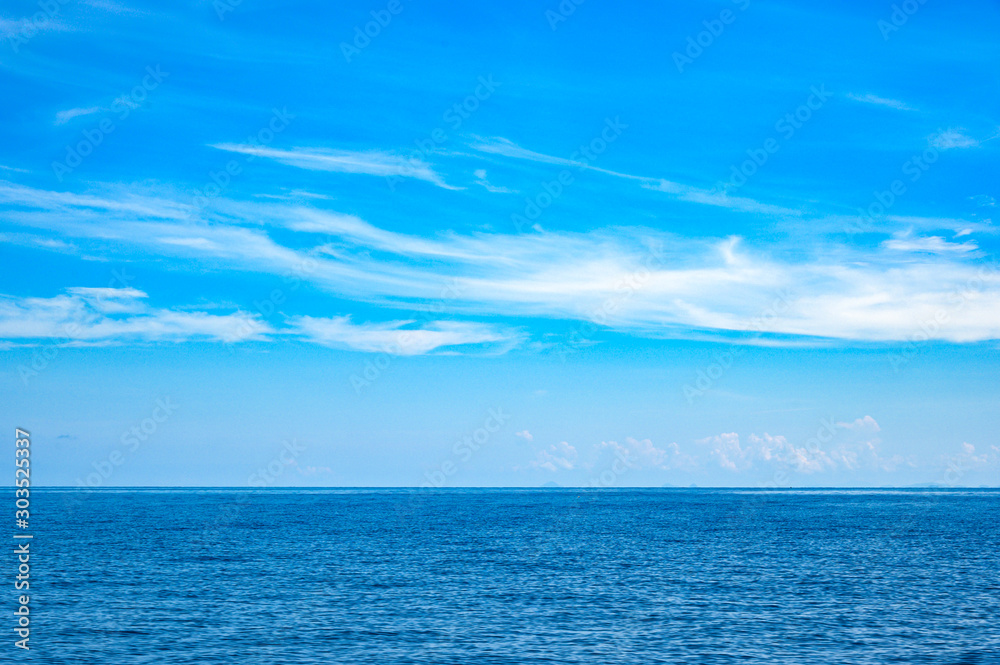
pixel 729 243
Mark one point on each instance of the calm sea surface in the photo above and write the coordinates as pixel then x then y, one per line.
pixel 514 576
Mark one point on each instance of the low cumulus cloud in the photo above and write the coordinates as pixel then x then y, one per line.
pixel 644 454
pixel 849 446
pixel 556 457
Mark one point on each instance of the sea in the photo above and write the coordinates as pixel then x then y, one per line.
pixel 512 576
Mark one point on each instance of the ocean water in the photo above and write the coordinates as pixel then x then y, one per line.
pixel 515 576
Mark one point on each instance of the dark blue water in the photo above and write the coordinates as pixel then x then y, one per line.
pixel 508 576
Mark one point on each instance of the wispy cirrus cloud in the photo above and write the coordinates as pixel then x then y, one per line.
pixel 482 181
pixel 14 28
pixel 112 316
pixel 505 147
pixel 119 200
pixel 715 197
pixel 929 244
pixel 95 315
pixel 719 198
pixel 879 101
pixel 366 162
pixel 62 117
pixel 399 337
pixel 628 279
pixel 953 138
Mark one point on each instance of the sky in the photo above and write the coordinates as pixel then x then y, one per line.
pixel 732 243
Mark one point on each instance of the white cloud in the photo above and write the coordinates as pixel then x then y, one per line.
pixel 643 454
pixel 840 450
pixel 969 459
pixel 879 101
pixel 369 162
pixel 507 148
pixel 866 423
pixel 120 201
pixel 725 449
pixel 854 447
pixel 355 229
pixel 26 27
pixel 117 315
pixel 779 451
pixel 524 434
pixel 395 338
pixel 929 244
pixel 104 315
pixel 483 182
pixel 716 197
pixel 558 456
pixel 115 8
pixel 631 280
pixel 312 470
pixel 62 117
pixel 859 447
pixel 952 138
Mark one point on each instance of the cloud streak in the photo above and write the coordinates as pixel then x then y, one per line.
pixel 104 315
pixel 879 101
pixel 398 337
pixel 953 138
pixel 714 197
pixel 62 117
pixel 88 315
pixel 627 279
pixel 369 162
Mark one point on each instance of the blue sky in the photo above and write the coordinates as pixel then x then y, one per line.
pixel 717 243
